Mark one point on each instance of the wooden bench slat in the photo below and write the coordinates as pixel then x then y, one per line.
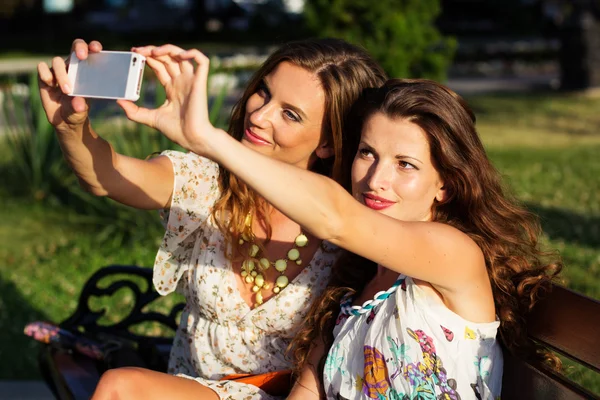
pixel 522 380
pixel 570 323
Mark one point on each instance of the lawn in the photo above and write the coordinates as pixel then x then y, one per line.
pixel 547 146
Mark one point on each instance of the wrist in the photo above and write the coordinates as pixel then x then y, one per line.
pixel 70 130
pixel 211 144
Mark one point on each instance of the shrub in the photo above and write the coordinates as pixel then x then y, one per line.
pixel 37 169
pixel 400 34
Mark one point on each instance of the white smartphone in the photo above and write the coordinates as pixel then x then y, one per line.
pixel 107 75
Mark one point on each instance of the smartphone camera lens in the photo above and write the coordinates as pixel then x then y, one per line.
pixel 134 60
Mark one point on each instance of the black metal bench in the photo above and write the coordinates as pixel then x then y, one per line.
pixel 565 321
pixel 71 375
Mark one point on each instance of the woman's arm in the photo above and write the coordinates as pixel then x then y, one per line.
pixel 423 250
pixel 433 252
pixel 101 171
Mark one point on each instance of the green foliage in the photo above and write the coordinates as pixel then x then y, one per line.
pixel 400 34
pixel 37 169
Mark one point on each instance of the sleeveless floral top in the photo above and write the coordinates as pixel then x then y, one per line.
pixel 219 334
pixel 411 346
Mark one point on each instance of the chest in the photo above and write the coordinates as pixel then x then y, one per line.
pixel 215 290
pixel 277 252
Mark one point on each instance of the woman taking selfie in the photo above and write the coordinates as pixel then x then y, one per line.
pixel 448 261
pixel 247 271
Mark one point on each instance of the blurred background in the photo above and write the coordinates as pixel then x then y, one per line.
pixel 530 69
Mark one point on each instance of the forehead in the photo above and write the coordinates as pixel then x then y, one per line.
pixel 395 135
pixel 296 86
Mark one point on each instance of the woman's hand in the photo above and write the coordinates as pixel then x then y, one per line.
pixel 67 114
pixel 183 118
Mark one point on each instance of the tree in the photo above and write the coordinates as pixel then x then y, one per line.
pixel 400 34
pixel 580 44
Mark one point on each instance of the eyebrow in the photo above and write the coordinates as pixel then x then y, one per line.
pixel 297 110
pixel 398 157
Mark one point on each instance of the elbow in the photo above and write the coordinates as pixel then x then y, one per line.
pixel 332 227
pixel 95 190
pixel 334 215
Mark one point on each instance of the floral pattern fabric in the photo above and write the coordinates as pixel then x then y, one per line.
pixel 413 347
pixel 219 334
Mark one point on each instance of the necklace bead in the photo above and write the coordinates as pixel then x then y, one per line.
pixel 254 265
pixel 281 265
pixel 293 254
pixel 301 240
pixel 264 263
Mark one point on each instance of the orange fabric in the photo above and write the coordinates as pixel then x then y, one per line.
pixel 276 383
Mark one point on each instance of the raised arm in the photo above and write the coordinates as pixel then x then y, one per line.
pixel 424 250
pixel 101 171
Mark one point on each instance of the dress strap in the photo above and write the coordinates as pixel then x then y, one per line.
pixel 348 309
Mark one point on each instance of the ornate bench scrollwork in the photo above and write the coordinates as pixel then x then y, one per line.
pixel 122 340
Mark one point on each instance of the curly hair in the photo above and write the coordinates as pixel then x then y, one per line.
pixel 476 203
pixel 344 71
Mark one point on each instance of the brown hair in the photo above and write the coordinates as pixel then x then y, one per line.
pixel 344 71
pixel 476 203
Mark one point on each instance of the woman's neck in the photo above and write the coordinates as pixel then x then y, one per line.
pixel 385 273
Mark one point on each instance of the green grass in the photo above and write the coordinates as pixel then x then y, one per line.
pixel 547 146
pixel 548 149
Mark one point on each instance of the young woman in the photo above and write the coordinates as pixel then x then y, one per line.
pixel 248 272
pixel 452 260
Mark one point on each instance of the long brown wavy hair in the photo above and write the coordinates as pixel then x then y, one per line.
pixel 476 203
pixel 344 71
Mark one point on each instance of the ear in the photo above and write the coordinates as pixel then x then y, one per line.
pixel 440 196
pixel 324 151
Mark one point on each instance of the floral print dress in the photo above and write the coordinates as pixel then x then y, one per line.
pixel 409 347
pixel 219 334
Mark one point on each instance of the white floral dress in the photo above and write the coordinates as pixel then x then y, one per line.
pixel 409 347
pixel 219 334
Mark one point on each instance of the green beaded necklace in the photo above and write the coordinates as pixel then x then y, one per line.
pixel 254 266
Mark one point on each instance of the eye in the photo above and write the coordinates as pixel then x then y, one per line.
pixel 263 90
pixel 364 152
pixel 406 165
pixel 291 116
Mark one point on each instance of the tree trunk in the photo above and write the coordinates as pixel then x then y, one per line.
pixel 580 51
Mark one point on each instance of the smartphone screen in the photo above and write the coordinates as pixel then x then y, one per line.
pixel 104 74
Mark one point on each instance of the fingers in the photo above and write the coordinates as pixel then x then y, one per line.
pixel 159 69
pixel 166 49
pixel 79 105
pixel 136 113
pixel 203 62
pixel 167 55
pixel 82 49
pixel 60 74
pixel 146 51
pixel 45 75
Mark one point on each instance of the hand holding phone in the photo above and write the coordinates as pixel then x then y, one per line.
pixel 107 75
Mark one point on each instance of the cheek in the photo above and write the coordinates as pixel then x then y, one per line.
pixel 293 136
pixel 357 178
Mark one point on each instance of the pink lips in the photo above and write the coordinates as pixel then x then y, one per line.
pixel 376 203
pixel 255 139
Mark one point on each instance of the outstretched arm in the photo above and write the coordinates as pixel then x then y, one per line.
pixel 424 250
pixel 100 170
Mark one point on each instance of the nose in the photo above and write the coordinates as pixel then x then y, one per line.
pixel 261 112
pixel 380 176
